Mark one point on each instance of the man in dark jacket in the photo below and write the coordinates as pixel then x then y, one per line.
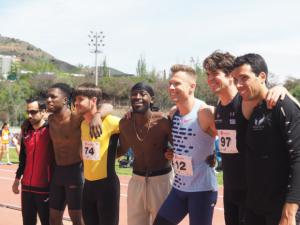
pixel 272 139
pixel 35 168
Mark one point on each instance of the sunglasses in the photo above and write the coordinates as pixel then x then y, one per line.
pixel 32 112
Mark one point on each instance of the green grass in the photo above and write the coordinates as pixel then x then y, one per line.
pixel 120 171
pixel 13 156
pixel 220 178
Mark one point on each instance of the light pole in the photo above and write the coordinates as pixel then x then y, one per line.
pixel 96 43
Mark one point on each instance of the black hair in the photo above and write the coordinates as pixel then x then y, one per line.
pixel 41 101
pixel 66 90
pixel 256 61
pixel 4 124
pixel 149 89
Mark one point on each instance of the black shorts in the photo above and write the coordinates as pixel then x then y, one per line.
pixel 66 187
pixel 101 201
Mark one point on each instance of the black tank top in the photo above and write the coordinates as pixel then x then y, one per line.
pixel 226 120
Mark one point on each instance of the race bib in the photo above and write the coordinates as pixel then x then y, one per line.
pixel 90 150
pixel 227 141
pixel 183 165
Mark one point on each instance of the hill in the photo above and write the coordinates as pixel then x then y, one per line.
pixel 28 53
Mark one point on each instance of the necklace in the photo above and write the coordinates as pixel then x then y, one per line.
pixel 148 128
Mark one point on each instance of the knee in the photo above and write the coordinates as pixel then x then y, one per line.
pixel 159 220
pixel 76 216
pixel 55 220
pixel 56 217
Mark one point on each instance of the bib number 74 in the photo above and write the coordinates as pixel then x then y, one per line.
pixel 90 150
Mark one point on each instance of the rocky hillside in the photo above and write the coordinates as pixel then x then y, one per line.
pixel 29 53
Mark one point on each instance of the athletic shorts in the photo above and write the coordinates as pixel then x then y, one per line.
pixel 66 187
pixel 199 205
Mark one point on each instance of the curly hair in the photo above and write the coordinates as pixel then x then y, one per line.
pixel 219 61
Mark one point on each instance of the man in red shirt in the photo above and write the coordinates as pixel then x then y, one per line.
pixel 35 167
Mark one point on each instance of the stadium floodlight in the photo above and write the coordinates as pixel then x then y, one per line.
pixel 96 44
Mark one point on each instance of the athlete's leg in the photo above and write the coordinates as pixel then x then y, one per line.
pixel 42 203
pixel 159 220
pixel 201 207
pixel 137 213
pixel 7 154
pixel 174 209
pixel 29 211
pixel 231 209
pixel 74 202
pixel 2 152
pixel 76 217
pixel 56 216
pixel 57 203
pixel 158 188
pixel 108 204
pixel 89 205
pixel 252 218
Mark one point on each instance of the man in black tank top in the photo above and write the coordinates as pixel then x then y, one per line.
pixel 218 67
pixel 230 127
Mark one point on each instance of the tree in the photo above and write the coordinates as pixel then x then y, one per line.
pixel 293 86
pixel 203 91
pixel 141 69
pixel 14 70
pixel 105 69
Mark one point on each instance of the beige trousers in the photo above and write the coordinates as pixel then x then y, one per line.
pixel 145 197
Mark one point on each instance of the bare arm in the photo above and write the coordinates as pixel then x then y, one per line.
pixel 274 94
pixel 124 145
pixel 206 120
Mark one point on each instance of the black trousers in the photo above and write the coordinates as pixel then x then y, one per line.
pixel 100 202
pixel 234 207
pixel 34 204
pixel 254 217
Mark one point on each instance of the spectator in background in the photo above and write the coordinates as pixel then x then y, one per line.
pixel 5 137
pixel 16 142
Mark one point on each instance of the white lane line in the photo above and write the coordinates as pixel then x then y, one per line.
pixel 122 195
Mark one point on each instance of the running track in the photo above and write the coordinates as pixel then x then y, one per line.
pixel 13 217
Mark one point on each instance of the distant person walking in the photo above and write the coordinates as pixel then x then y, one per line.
pixel 5 137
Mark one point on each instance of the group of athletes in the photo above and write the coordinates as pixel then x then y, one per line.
pixel 259 136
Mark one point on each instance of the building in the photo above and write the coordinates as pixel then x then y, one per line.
pixel 5 65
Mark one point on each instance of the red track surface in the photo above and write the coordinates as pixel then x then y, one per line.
pixel 13 217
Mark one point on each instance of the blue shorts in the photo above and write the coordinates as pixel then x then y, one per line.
pixel 199 206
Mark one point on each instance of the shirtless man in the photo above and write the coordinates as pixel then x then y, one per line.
pixel 147 133
pixel 64 125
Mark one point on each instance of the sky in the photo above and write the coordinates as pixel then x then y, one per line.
pixel 164 32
